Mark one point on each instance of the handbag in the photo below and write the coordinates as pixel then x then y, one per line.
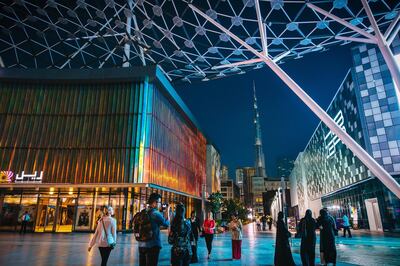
pixel 110 239
pixel 202 234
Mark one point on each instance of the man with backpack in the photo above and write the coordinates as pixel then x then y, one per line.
pixel 147 231
pixel 24 222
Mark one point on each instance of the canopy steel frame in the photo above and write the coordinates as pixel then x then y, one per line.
pixel 276 59
pixel 358 151
pixel 382 41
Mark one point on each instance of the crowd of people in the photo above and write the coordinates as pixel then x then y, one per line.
pixel 264 220
pixel 307 232
pixel 184 234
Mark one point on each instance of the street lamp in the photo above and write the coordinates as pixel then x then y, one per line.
pixel 284 208
pixel 203 200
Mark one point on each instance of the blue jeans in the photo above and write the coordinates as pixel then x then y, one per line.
pixel 149 256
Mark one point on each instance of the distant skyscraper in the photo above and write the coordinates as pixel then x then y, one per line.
pixel 224 173
pixel 284 166
pixel 244 178
pixel 259 160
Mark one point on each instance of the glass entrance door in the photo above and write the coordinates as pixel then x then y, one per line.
pixel 66 211
pixel 46 215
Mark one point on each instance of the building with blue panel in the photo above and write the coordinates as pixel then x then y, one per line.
pixel 327 174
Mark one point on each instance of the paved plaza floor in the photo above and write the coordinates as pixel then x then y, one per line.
pixel 258 249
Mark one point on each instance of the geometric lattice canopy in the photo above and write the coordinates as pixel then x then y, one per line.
pixel 111 33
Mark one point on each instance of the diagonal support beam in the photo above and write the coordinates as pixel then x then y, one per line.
pixel 384 48
pixel 341 21
pixel 368 161
pixel 377 39
pixel 263 34
pixel 353 39
pixel 393 34
pixel 389 30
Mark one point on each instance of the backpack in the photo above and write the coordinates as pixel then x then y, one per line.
pixel 142 226
pixel 26 218
pixel 181 242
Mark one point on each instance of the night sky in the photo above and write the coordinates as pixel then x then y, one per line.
pixel 224 107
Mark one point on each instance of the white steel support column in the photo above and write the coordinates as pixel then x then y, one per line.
pixel 384 47
pixel 261 27
pixel 358 151
pixel 127 46
pixel 391 27
pixel 377 38
pixel 393 34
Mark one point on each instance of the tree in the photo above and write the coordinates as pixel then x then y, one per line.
pixel 232 206
pixel 215 202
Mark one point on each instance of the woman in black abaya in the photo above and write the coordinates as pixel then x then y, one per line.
pixel 283 254
pixel 307 227
pixel 327 238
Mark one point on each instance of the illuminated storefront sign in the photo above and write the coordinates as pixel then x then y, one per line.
pixel 331 139
pixel 7 177
pixel 29 178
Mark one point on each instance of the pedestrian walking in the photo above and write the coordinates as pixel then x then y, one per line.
pixel 235 226
pixel 346 226
pixel 179 237
pixel 327 225
pixel 196 228
pixel 269 221
pixel 283 254
pixel 25 219
pixel 208 229
pixel 307 227
pixel 264 222
pixel 105 236
pixel 146 225
pixel 258 223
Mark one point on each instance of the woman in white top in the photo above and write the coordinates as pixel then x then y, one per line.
pixel 105 236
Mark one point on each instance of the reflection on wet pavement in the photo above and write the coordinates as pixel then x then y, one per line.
pixel 258 249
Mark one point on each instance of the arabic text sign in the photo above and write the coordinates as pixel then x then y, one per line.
pixel 29 178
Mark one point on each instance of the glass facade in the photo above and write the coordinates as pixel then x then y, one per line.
pixel 351 201
pixel 379 106
pixel 327 174
pixel 329 164
pixel 74 142
pixel 59 210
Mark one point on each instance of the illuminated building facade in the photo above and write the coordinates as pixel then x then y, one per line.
pixel 74 141
pixel 213 170
pixel 327 174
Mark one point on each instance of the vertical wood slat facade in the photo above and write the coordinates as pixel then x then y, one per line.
pixel 94 132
